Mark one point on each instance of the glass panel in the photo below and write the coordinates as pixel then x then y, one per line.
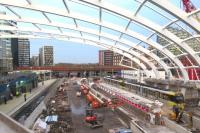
pixel 178 31
pixel 27 13
pixel 90 36
pixel 160 39
pixel 78 7
pixel 52 3
pixel 107 41
pixel 194 44
pixel 139 29
pixel 158 53
pixel 176 3
pixel 154 16
pixel 122 44
pixel 185 61
pixel 129 38
pixel 26 25
pixel 71 32
pixel 106 30
pixel 174 49
pixel 165 14
pixel 87 25
pixel 168 62
pixel 114 19
pixel 136 50
pixel 144 45
pixel 45 27
pixel 4 10
pixel 60 19
pixel 130 5
pixel 196 16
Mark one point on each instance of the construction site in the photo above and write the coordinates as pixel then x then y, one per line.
pixel 144 76
pixel 95 105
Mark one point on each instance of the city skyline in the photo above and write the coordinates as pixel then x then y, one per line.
pixel 84 53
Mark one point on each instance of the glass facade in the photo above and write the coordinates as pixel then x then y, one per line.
pixel 5 51
pixel 20 52
pixel 46 56
pixel 24 52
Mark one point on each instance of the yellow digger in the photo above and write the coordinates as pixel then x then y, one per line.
pixel 177 107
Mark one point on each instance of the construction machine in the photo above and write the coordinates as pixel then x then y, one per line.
pixel 92 118
pixel 176 113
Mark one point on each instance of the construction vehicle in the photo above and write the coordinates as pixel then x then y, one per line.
pixel 176 99
pixel 92 119
pixel 176 114
pixel 177 105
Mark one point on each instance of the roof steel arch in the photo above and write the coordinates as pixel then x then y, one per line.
pixel 134 35
pixel 144 59
pixel 147 23
pixel 87 30
pixel 97 44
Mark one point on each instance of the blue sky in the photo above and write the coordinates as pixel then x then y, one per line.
pixel 67 52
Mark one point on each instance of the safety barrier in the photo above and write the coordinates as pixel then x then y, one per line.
pixel 13 125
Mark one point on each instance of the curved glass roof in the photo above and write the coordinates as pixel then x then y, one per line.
pixel 155 34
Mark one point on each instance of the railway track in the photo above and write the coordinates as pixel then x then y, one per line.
pixel 25 112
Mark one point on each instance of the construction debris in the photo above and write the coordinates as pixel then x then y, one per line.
pixel 57 117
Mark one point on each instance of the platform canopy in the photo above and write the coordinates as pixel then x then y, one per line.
pixel 155 34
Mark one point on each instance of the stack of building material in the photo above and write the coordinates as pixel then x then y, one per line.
pixel 58 114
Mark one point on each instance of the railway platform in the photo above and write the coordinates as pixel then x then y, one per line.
pixel 17 102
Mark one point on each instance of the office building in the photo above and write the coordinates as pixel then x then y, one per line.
pixel 20 52
pixel 35 61
pixel 106 57
pixel 46 57
pixel 5 50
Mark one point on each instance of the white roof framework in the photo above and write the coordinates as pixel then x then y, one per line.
pixel 155 34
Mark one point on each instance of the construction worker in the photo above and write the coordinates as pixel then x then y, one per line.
pixel 176 110
pixel 180 115
pixel 17 93
pixel 24 96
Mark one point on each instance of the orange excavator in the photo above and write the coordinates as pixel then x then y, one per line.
pixel 94 102
pixel 92 118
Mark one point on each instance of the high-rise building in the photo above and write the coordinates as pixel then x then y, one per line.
pixel 46 57
pixel 20 52
pixel 5 50
pixel 35 61
pixel 106 57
